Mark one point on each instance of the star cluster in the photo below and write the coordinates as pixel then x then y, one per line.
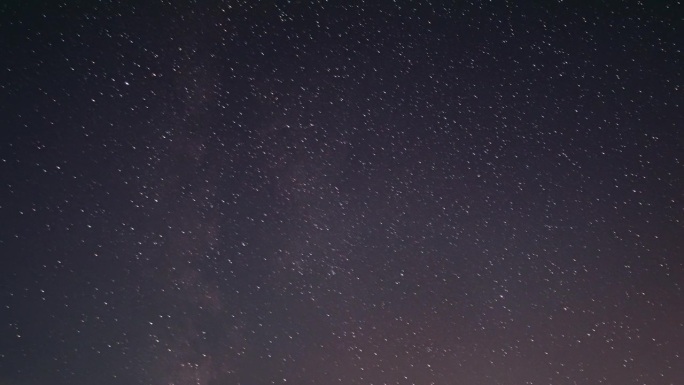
pixel 383 193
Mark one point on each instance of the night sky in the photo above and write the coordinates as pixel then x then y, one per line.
pixel 315 192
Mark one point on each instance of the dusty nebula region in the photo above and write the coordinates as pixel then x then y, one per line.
pixel 321 192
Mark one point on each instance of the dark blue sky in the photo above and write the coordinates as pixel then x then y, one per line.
pixel 317 193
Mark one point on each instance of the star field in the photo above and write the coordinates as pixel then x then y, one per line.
pixel 319 192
